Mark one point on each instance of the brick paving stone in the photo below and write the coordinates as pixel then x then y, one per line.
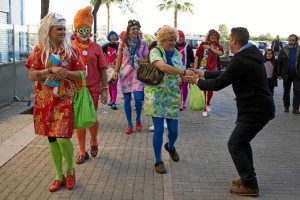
pixel 124 167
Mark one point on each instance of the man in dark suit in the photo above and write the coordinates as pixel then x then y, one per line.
pixel 247 75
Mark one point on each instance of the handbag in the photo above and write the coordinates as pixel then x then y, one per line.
pixel 110 73
pixel 83 106
pixel 197 98
pixel 150 75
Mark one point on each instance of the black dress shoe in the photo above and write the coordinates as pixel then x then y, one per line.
pixel 286 109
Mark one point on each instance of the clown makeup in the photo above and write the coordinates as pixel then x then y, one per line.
pixel 84 34
pixel 84 30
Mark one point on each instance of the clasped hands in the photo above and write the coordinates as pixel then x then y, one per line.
pixel 58 73
pixel 192 75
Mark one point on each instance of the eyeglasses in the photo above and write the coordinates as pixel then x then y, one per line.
pixel 134 29
pixel 84 30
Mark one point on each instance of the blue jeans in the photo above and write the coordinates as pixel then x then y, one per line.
pixel 241 152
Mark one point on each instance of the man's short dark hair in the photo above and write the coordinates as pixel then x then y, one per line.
pixel 241 34
pixel 293 35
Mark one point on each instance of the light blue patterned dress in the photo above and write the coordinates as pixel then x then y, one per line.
pixel 163 100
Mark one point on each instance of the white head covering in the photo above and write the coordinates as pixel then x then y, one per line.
pixel 51 19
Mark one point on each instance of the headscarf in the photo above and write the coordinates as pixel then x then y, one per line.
pixel 181 34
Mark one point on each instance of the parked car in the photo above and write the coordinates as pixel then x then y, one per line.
pixel 195 41
pixel 284 43
pixel 102 42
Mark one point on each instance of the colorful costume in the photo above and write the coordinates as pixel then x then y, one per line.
pixel 93 58
pixel 53 110
pixel 209 61
pixel 131 49
pixel 110 50
pixel 53 115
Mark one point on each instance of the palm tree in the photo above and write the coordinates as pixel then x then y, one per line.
pixel 125 5
pixel 108 3
pixel 168 4
pixel 44 8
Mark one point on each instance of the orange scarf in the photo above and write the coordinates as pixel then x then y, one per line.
pixel 81 47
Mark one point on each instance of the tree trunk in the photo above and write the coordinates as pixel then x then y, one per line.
pixel 96 8
pixel 175 18
pixel 108 16
pixel 44 8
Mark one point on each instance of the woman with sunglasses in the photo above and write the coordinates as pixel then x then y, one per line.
pixel 53 65
pixel 95 63
pixel 208 58
pixel 132 49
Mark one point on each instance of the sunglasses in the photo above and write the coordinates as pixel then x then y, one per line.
pixel 134 29
pixel 85 30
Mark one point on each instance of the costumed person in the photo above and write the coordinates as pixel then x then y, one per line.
pixel 54 65
pixel 94 61
pixel 162 100
pixel 131 50
pixel 110 51
pixel 119 82
pixel 208 58
pixel 188 58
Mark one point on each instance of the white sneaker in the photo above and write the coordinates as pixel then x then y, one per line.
pixel 204 114
pixel 208 108
pixel 151 128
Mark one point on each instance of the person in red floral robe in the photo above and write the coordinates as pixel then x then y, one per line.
pixel 54 67
pixel 208 58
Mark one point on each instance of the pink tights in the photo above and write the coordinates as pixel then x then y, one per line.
pixel 113 91
pixel 184 92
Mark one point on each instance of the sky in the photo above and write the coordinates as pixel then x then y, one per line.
pixel 258 16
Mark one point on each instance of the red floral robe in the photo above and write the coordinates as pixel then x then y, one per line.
pixel 53 115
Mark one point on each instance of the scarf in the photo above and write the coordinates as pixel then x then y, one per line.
pixel 132 49
pixel 81 47
pixel 169 55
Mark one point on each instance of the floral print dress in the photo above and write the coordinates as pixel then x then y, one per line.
pixel 53 115
pixel 128 77
pixel 163 100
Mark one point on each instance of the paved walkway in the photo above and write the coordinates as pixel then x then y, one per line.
pixel 123 168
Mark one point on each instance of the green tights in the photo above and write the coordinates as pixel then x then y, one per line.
pixel 62 147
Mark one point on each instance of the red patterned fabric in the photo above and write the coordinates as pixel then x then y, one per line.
pixel 53 115
pixel 213 60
